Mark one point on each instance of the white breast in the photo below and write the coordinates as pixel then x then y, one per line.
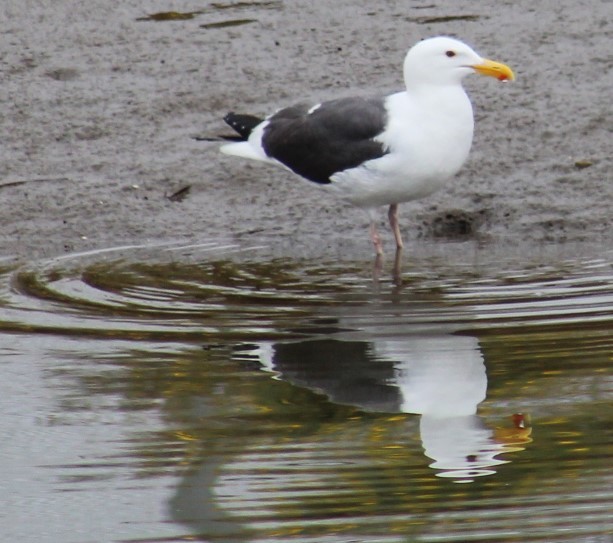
pixel 428 138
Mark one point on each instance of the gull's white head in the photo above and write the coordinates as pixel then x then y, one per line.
pixel 444 61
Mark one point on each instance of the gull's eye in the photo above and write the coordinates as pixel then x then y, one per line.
pixel 450 54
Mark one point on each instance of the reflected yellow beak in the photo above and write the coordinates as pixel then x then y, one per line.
pixel 494 69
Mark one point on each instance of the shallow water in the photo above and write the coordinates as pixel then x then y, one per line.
pixel 212 393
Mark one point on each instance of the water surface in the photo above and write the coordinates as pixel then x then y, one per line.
pixel 215 393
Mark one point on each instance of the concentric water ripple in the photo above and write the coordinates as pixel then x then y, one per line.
pixel 119 292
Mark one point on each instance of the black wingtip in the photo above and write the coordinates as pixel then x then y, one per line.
pixel 241 123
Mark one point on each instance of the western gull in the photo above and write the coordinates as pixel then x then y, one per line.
pixel 378 150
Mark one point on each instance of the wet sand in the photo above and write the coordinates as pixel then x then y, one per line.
pixel 101 110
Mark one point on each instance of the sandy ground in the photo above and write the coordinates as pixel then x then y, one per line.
pixel 100 110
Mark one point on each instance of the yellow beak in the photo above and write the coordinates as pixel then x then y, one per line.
pixel 494 69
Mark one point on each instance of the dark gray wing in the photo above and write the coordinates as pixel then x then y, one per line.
pixel 336 136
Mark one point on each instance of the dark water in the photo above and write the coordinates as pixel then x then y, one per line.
pixel 213 394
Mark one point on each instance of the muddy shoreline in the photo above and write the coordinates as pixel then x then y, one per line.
pixel 101 112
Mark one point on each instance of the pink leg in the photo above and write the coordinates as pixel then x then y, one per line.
pixel 393 218
pixel 377 268
pixel 374 236
pixel 397 271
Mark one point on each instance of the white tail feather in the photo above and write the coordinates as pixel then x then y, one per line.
pixel 243 149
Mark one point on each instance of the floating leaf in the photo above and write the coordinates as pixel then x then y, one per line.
pixel 239 5
pixel 444 19
pixel 224 24
pixel 170 16
pixel 180 194
pixel 581 164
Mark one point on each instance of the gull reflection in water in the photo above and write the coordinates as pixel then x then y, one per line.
pixel 440 377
